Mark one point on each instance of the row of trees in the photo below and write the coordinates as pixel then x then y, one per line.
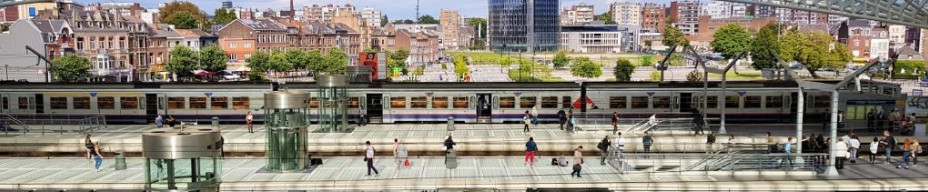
pixel 263 62
pixel 185 60
pixel 186 15
pixel 815 50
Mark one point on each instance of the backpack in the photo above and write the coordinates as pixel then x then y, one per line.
pixel 602 146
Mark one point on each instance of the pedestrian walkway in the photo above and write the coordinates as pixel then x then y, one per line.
pixel 429 173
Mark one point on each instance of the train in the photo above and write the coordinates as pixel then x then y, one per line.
pixel 744 101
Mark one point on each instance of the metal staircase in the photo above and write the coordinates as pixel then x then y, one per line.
pixel 9 123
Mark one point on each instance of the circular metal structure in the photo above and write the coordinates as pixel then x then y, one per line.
pixel 285 99
pixel 332 80
pixel 181 143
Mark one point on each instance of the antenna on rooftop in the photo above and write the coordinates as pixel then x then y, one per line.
pixel 417 10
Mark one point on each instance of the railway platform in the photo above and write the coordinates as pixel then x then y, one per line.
pixel 421 139
pixel 498 173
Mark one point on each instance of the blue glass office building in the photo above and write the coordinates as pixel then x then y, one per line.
pixel 524 25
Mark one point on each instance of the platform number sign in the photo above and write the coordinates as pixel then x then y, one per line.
pixel 742 93
pixel 93 94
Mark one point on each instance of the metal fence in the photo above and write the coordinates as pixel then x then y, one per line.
pixel 83 124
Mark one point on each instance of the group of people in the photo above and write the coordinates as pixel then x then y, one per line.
pixel 566 120
pixel 878 120
pixel 530 119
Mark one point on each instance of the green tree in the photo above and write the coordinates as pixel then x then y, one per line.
pixel 646 60
pixel 336 61
pixel 606 17
pixel 213 58
pixel 560 60
pixel 460 66
pixel 183 20
pixel 654 76
pixel 384 20
pixel 427 19
pixel 815 50
pixel 298 58
pixel 400 55
pixel 259 63
pixel 71 68
pixel 174 7
pixel 766 42
pixel 223 16
pixel 506 62
pixel 623 70
pixel 674 37
pixel 731 40
pixel 481 25
pixel 183 61
pixel 279 62
pixel 586 68
pixel 316 61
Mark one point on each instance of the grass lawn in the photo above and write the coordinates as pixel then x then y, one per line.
pixel 742 75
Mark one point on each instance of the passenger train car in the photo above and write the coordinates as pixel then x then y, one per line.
pixel 436 102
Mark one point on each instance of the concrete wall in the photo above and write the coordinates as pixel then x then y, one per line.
pixel 15 62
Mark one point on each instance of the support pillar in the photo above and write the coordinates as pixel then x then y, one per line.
pixel 831 171
pixel 800 115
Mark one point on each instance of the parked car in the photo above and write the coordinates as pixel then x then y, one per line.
pixel 228 75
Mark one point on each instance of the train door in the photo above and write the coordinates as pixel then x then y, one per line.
pixel 39 104
pixel 484 108
pixel 154 104
pixel 686 102
pixel 5 104
pixel 375 108
pixel 385 109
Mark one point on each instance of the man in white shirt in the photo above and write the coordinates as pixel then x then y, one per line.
pixel 369 157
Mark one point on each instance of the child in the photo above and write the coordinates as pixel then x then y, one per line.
pixel 874 148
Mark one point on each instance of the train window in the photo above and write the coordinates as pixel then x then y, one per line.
pixel 128 102
pixel 888 90
pixel 58 102
pixel 732 101
pixel 460 103
pixel 618 102
pixel 527 102
pixel 549 102
pixel 398 102
pixel 241 102
pixel 565 102
pixel 314 102
pixel 219 102
pixel 507 102
pixel 176 102
pixel 661 102
pixel 81 102
pixel 6 103
pixel 418 102
pixel 639 102
pixel 823 101
pixel 353 102
pixel 752 101
pixel 106 103
pixel 774 101
pixel 198 102
pixel 23 103
pixel 439 102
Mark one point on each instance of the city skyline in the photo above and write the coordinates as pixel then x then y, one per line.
pixel 394 9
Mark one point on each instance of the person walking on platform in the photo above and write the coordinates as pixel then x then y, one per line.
pixel 771 145
pixel 647 141
pixel 535 116
pixel 530 149
pixel 402 155
pixel 561 118
pixel 578 160
pixel 603 147
pixel 396 146
pixel 698 122
pixel 571 122
pixel 361 119
pixel 159 121
pixel 874 149
pixel 249 122
pixel 871 118
pixel 449 146
pixel 841 153
pixel 787 150
pixel 906 153
pixel 889 143
pixel 171 121
pixel 526 120
pixel 916 149
pixel 620 142
pixel 710 142
pixel 93 152
pixel 880 119
pixel 615 123
pixel 369 158
pixel 854 144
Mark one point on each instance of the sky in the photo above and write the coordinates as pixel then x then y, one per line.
pixel 394 9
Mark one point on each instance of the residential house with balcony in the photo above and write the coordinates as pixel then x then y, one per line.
pixel 243 37
pixel 116 45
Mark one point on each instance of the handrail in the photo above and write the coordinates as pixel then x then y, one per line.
pixel 17 122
